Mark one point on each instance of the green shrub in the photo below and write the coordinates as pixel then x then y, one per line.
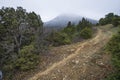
pixel 113 47
pixel 86 33
pixel 116 21
pixel 59 38
pixel 27 58
pixel 114 76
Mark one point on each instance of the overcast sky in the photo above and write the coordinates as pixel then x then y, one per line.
pixel 49 9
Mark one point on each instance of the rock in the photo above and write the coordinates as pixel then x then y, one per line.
pixel 65 78
pixel 100 63
pixel 84 64
pixel 58 71
pixel 76 61
pixel 71 50
pixel 73 61
pixel 54 77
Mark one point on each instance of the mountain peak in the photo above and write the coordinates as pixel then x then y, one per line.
pixel 68 14
pixel 63 19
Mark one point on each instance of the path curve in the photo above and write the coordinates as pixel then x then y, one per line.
pixel 94 40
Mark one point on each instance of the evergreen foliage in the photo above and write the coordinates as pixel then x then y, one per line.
pixel 19 33
pixel 113 47
pixel 71 32
pixel 21 38
pixel 58 38
pixel 86 33
pixel 27 58
pixel 110 18
pixel 82 24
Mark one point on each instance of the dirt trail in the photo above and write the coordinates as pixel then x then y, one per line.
pixel 81 55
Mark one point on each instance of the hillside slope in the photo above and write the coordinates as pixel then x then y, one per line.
pixel 85 62
pixel 63 19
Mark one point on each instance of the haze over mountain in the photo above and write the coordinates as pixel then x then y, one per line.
pixel 63 19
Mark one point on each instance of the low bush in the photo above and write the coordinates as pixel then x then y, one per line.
pixel 86 33
pixel 58 38
pixel 27 58
pixel 113 47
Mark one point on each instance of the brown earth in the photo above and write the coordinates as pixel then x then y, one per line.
pixel 81 61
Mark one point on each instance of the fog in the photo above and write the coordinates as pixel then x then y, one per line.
pixel 49 9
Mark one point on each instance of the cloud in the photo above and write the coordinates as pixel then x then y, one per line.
pixel 49 9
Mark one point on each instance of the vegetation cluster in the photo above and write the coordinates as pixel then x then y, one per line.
pixel 113 47
pixel 22 39
pixel 71 33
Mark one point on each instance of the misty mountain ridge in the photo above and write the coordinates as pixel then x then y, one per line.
pixel 63 19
